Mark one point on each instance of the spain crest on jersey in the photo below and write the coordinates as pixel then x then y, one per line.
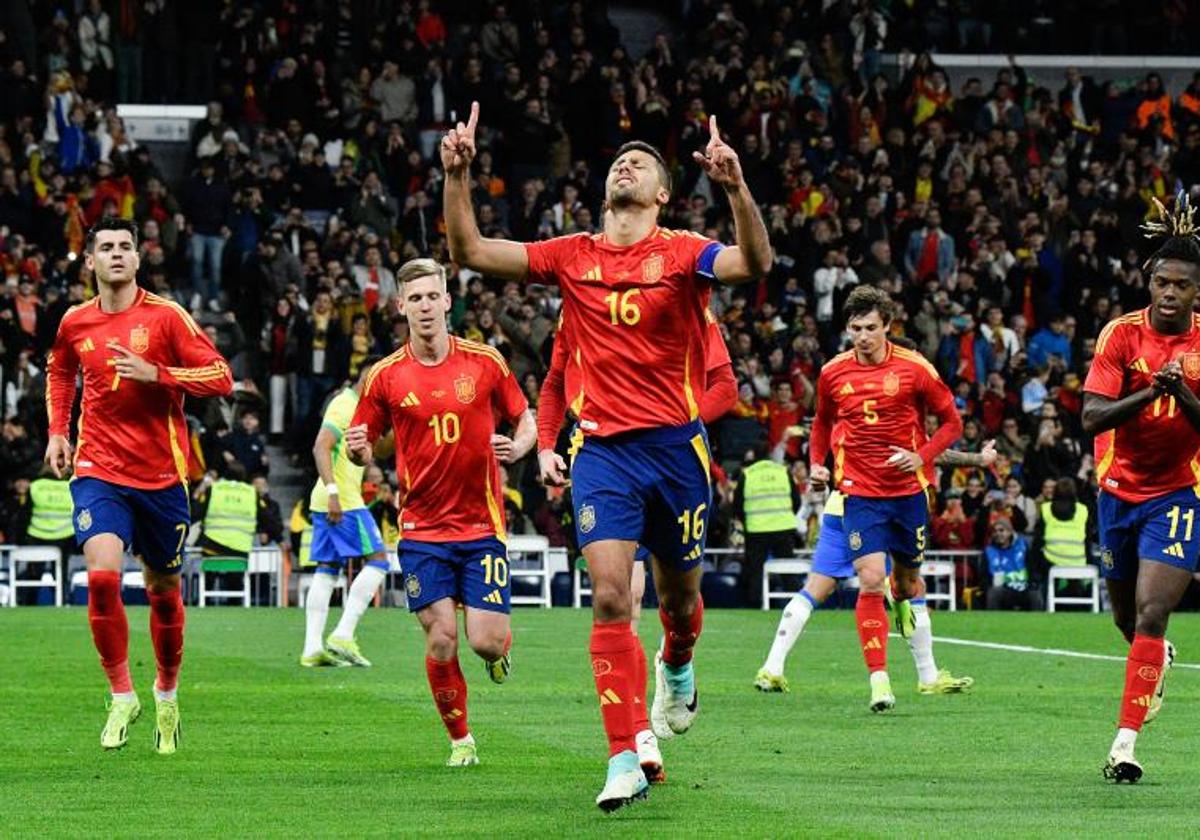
pixel 587 519
pixel 855 540
pixel 84 520
pixel 1191 365
pixel 891 384
pixel 412 585
pixel 652 269
pixel 139 339
pixel 464 388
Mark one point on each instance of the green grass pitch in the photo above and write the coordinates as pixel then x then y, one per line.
pixel 270 749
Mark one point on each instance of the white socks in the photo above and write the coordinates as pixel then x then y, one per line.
pixel 791 625
pixel 316 610
pixel 921 643
pixel 362 592
pixel 1125 740
pixel 161 695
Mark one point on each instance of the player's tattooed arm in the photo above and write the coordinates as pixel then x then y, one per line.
pixel 983 458
pixel 1102 413
pixel 497 257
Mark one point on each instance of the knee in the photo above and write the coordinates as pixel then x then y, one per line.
pixel 1152 620
pixel 441 642
pixel 680 604
pixel 489 647
pixel 871 579
pixel 611 601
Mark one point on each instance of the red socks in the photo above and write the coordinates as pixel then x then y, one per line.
pixel 166 631
pixel 872 622
pixel 681 636
pixel 640 720
pixel 1142 670
pixel 110 628
pixel 449 695
pixel 614 666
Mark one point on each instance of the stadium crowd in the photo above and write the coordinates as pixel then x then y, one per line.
pixel 1003 215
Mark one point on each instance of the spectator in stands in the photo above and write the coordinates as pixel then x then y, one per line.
pixel 245 451
pixel 931 251
pixel 1009 585
pixel 208 204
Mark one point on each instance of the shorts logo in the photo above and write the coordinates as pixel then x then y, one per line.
pixel 652 269
pixel 84 520
pixel 1148 673
pixel 891 384
pixel 855 541
pixel 175 562
pixel 445 695
pixel 600 667
pixel 1191 365
pixel 412 585
pixel 1106 557
pixel 464 388
pixel 872 623
pixel 587 519
pixel 139 339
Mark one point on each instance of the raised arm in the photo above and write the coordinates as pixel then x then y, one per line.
pixel 751 257
pixel 495 257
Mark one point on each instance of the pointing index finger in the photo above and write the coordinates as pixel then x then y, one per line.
pixel 473 120
pixel 712 126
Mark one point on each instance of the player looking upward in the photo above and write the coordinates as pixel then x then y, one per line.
pixel 442 397
pixel 634 299
pixel 563 385
pixel 1140 402
pixel 871 401
pixel 139 355
pixel 343 528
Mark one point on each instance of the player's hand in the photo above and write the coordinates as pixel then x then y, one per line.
pixel 334 513
pixel 818 476
pixel 905 460
pixel 357 444
pixel 719 161
pixel 58 455
pixel 504 448
pixel 988 453
pixel 458 146
pixel 552 468
pixel 1169 377
pixel 131 366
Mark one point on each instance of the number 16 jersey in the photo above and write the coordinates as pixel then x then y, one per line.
pixel 444 416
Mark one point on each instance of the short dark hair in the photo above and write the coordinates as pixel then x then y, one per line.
pixel 865 299
pixel 110 223
pixel 664 172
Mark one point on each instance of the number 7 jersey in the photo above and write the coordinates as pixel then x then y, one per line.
pixel 1157 451
pixel 443 417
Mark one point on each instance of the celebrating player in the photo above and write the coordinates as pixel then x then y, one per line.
pixel 831 562
pixel 441 395
pixel 634 303
pixel 343 528
pixel 139 355
pixel 563 379
pixel 1140 402
pixel 875 397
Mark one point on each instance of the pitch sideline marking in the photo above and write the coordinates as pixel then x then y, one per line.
pixel 949 640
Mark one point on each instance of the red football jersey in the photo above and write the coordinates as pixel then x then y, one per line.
pixel 864 410
pixel 635 315
pixel 1158 450
pixel 444 416
pixel 131 433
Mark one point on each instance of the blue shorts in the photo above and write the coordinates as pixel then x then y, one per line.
pixel 894 525
pixel 356 535
pixel 649 487
pixel 152 524
pixel 642 555
pixel 832 555
pixel 473 573
pixel 1165 529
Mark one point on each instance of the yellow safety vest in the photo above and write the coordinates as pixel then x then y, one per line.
pixel 1065 539
pixel 768 494
pixel 232 515
pixel 306 537
pixel 50 518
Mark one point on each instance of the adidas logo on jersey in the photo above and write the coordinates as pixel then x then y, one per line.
pixel 594 274
pixel 874 644
pixel 846 389
pixel 1174 550
pixel 1139 364
pixel 410 400
pixel 84 346
pixel 494 597
pixel 610 698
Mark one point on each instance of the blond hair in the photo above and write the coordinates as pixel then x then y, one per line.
pixel 422 267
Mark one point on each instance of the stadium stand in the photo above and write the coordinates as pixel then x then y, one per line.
pixel 1001 210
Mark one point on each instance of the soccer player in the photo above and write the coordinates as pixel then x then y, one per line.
pixel 634 303
pixel 442 397
pixel 831 562
pixel 1140 402
pixel 139 355
pixel 563 380
pixel 871 401
pixel 343 528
